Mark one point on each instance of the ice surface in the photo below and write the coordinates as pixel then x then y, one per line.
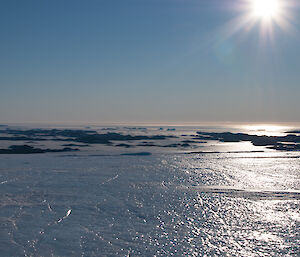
pixel 103 203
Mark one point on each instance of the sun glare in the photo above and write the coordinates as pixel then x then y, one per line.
pixel 266 9
pixel 267 15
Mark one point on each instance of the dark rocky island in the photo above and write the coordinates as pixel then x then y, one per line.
pixel 125 145
pixel 72 138
pixel 293 131
pixel 108 137
pixel 83 138
pixel 80 136
pixel 26 149
pixel 289 142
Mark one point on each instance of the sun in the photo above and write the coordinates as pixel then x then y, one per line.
pixel 265 9
pixel 265 16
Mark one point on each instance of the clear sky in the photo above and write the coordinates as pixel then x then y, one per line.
pixel 146 61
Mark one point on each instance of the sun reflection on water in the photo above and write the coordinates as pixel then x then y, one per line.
pixel 267 129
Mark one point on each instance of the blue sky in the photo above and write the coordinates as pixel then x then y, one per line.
pixel 144 61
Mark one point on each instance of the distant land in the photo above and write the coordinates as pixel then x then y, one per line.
pixel 83 138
